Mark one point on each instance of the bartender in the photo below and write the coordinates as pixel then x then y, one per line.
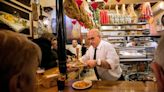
pixel 102 56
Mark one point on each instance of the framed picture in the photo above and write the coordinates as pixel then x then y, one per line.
pixel 16 18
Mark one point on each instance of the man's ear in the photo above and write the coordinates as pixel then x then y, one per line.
pixel 14 84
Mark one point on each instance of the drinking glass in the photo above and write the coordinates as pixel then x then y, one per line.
pixel 61 82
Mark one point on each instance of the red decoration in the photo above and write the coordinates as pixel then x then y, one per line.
pixel 85 26
pixel 118 0
pixel 94 5
pixel 106 1
pixel 90 15
pixel 74 22
pixel 81 23
pixel 79 2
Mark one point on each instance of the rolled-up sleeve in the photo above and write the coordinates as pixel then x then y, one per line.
pixel 86 56
pixel 112 58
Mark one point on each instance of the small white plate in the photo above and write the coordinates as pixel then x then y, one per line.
pixel 78 84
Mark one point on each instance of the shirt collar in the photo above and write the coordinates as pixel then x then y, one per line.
pixel 100 44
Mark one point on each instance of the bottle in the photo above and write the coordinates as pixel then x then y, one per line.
pixel 83 48
pixel 61 82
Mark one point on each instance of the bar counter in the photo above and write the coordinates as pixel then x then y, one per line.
pixel 108 86
pixel 71 75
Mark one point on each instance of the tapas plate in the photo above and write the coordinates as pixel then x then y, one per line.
pixel 83 84
pixel 77 64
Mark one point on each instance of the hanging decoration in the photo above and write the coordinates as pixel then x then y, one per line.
pixel 74 22
pixel 76 31
pixel 104 19
pixel 118 0
pixel 94 5
pixel 79 2
pixel 76 9
pixel 146 12
pixel 90 15
pixel 81 23
pixel 106 1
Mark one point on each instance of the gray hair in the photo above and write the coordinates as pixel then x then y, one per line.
pixel 97 31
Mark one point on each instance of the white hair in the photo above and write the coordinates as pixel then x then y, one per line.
pixel 97 31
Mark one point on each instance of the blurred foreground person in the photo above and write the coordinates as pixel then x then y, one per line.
pixel 19 59
pixel 158 65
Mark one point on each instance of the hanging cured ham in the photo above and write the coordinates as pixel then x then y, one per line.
pixel 78 12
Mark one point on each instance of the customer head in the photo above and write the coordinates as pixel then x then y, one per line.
pixel 74 43
pixel 19 58
pixel 54 44
pixel 158 65
pixel 94 37
pixel 48 36
pixel 134 43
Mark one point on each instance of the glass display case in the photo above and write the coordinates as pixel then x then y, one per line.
pixel 135 62
pixel 135 53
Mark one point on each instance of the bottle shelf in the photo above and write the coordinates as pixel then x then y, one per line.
pixel 117 41
pixel 104 36
pixel 128 24
pixel 139 29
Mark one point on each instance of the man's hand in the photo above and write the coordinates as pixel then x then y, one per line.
pixel 91 63
pixel 71 69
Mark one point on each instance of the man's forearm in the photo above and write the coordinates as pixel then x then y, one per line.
pixel 105 65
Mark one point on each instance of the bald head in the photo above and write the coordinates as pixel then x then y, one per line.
pixel 94 32
pixel 94 37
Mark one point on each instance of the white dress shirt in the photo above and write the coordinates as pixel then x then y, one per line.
pixel 73 49
pixel 129 44
pixel 105 51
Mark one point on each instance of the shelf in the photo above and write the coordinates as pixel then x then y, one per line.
pixel 106 36
pixel 130 36
pixel 10 20
pixel 136 60
pixel 123 29
pixel 19 4
pixel 133 48
pixel 128 24
pixel 117 41
pixel 132 56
